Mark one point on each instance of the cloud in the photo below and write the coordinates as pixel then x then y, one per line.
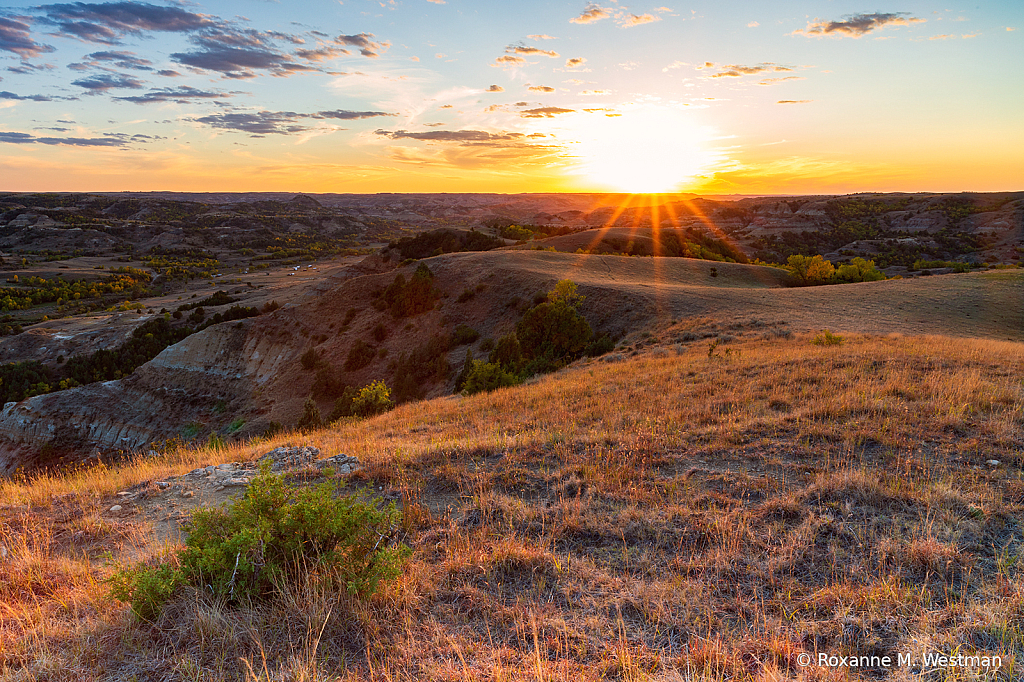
pixel 508 60
pixel 278 122
pixel 596 92
pixel 545 112
pixel 463 136
pixel 109 81
pixel 794 101
pixel 1011 28
pixel 592 13
pixel 4 94
pixel 345 115
pixel 107 22
pixel 121 60
pixel 739 70
pixel 438 2
pixel 15 37
pixel 179 95
pixel 753 24
pixel 541 36
pixel 259 123
pixel 367 47
pixel 239 62
pixel 857 25
pixel 944 36
pixel 26 138
pixel 637 19
pixel 495 88
pixel 575 62
pixel 524 49
pixel 773 81
pixel 541 88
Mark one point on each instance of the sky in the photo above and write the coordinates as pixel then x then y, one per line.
pixel 712 97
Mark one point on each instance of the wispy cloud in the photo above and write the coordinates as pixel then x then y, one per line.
pixel 629 20
pixel 592 13
pixel 857 25
pixel 180 95
pixel 507 60
pixel 261 123
pixel 575 63
pixel 16 37
pixel 541 88
pixel 525 49
pixel 541 36
pixel 740 70
pixel 544 112
pixel 26 138
pixel 794 101
pixel 495 88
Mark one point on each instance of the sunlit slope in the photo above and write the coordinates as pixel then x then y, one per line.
pixel 987 304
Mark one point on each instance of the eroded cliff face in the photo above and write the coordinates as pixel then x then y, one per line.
pixel 188 390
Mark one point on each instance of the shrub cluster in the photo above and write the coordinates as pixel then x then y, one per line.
pixel 436 242
pixel 418 295
pixel 550 335
pixel 815 270
pixel 272 536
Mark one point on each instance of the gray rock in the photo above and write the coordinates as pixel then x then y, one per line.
pixel 115 508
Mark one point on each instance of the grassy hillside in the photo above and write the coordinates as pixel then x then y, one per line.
pixel 666 512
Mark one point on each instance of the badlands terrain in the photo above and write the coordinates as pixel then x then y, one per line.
pixel 721 491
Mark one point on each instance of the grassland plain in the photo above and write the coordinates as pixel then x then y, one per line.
pixel 668 512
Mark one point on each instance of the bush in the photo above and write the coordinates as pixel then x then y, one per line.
pixel 827 338
pixel 554 333
pixel 464 334
pixel 360 355
pixel 487 376
pixel 858 270
pixel 374 398
pixel 380 332
pixel 487 345
pixel 600 346
pixel 272 536
pixel 310 418
pixel 328 383
pixel 467 367
pixel 309 359
pixel 508 353
pixel 810 270
pixel 416 296
pixel 269 307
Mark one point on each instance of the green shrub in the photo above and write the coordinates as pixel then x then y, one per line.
pixel 309 359
pixel 360 355
pixel 380 332
pixel 487 376
pixel 273 536
pixel 487 345
pixel 328 382
pixel 374 398
pixel 600 346
pixel 858 270
pixel 810 270
pixel 464 334
pixel 466 295
pixel 827 338
pixel 508 353
pixel 310 418
pixel 553 333
pixel 467 367
pixel 416 296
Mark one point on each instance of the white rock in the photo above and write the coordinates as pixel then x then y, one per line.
pixel 116 508
pixel 993 462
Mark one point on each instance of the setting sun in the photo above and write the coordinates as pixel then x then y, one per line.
pixel 644 150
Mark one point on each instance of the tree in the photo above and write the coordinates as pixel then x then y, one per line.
pixel 810 270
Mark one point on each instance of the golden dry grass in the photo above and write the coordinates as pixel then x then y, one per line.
pixel 681 514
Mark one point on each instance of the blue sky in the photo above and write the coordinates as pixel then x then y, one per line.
pixel 415 95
